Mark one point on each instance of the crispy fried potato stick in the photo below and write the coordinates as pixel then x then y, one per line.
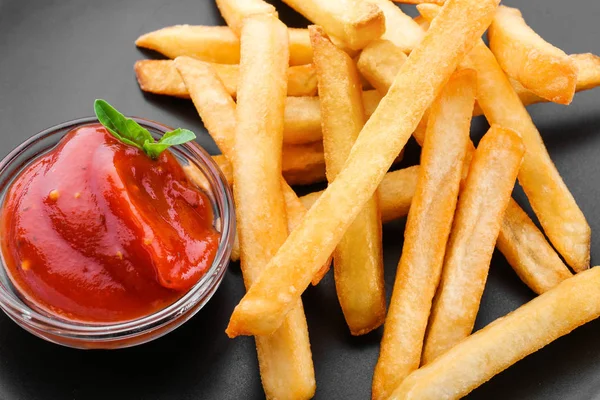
pixel 400 29
pixel 562 220
pixel 354 24
pixel 161 77
pixel 475 228
pixel 302 164
pixel 522 243
pixel 216 44
pixel 384 135
pixel 358 258
pixel 379 63
pixel 395 193
pixel 528 252
pixel 507 340
pixel 234 11
pixel 381 60
pixel 439 2
pixel 427 229
pixel 217 109
pixel 284 357
pixel 542 68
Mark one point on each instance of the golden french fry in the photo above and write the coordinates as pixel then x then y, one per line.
pixel 379 63
pixel 400 29
pixel 528 252
pixel 420 80
pixel 562 220
pixel 588 70
pixel 439 2
pixel 358 258
pixel 427 229
pixel 542 68
pixel 475 228
pixel 284 357
pixel 522 243
pixel 395 193
pixel 217 109
pixel 355 25
pixel 234 11
pixel 507 340
pixel 216 44
pixel 161 77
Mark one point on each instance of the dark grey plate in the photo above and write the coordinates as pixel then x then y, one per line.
pixel 56 57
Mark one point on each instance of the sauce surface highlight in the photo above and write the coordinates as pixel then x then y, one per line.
pixel 96 231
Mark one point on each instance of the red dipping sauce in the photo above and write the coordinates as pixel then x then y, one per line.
pixel 96 231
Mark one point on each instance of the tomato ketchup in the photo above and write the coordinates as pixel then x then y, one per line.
pixel 97 231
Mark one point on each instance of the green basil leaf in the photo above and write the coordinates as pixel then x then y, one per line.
pixel 178 136
pixel 130 132
pixel 124 129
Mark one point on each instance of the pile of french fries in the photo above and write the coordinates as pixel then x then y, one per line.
pixel 338 101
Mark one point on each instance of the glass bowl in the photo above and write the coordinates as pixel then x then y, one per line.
pixel 82 335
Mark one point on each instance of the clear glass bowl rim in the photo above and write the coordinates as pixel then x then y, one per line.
pixel 112 331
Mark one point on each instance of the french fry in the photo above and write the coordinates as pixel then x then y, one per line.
pixel 475 228
pixel 217 109
pixel 358 258
pixel 542 68
pixel 395 193
pixel 216 44
pixel 420 80
pixel 507 340
pixel 427 229
pixel 562 220
pixel 400 29
pixel 588 70
pixel 381 60
pixel 234 11
pixel 284 357
pixel 439 2
pixel 379 63
pixel 528 252
pixel 161 77
pixel 355 25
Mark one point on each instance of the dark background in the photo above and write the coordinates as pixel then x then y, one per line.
pixel 56 57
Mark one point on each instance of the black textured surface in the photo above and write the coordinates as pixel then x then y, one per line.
pixel 56 57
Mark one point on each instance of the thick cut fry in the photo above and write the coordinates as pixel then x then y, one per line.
pixel 507 340
pixel 475 228
pixel 217 109
pixel 234 11
pixel 588 70
pixel 542 68
pixel 354 24
pixel 161 77
pixel 562 220
pixel 384 135
pixel 528 252
pixel 440 2
pixel 302 164
pixel 400 29
pixel 522 243
pixel 427 230
pixel 358 258
pixel 379 63
pixel 284 357
pixel 395 193
pixel 216 44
